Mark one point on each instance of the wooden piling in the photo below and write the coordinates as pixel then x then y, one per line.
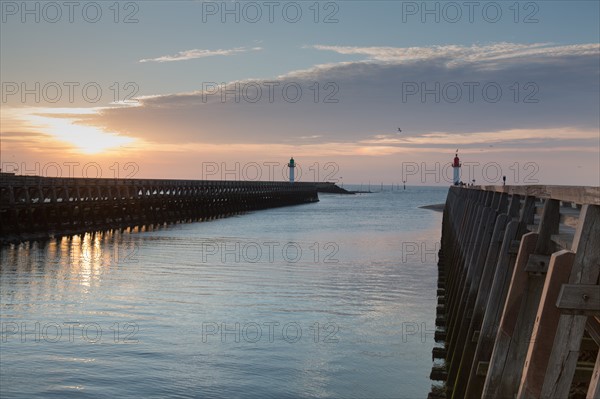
pixel 34 207
pixel 514 304
pixel 585 270
pixel 543 334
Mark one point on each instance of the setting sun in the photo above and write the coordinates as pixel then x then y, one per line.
pixel 67 129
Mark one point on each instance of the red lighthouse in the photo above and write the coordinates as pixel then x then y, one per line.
pixel 456 167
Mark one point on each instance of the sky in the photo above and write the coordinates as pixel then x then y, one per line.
pixel 355 91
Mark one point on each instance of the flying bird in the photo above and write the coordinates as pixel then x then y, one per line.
pixel 400 130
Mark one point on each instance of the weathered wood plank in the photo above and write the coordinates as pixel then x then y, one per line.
pixel 514 206
pixel 576 194
pixel 565 352
pixel 579 298
pixel 549 224
pixel 497 300
pixel 594 387
pixel 438 353
pixel 527 215
pixel 483 291
pixel 516 326
pixel 482 368
pixel 495 383
pixel 502 203
pixel 542 337
pixel 593 328
pixel 476 268
pixel 463 271
pixel 438 374
pixel 537 263
pixel 514 247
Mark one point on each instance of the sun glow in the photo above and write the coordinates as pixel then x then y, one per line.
pixel 64 124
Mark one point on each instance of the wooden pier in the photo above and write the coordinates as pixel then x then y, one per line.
pixel 518 293
pixel 33 207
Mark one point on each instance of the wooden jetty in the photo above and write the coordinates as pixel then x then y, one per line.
pixel 518 293
pixel 34 207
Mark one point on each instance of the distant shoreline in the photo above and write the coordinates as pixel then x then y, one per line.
pixel 436 207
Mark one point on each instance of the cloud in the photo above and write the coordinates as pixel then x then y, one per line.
pixel 456 55
pixel 46 127
pixel 544 89
pixel 198 53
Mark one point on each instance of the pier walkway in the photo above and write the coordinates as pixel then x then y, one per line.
pixel 33 207
pixel 518 293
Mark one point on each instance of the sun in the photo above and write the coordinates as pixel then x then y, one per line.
pixel 62 124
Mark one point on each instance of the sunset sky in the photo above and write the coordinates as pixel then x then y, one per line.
pixel 185 87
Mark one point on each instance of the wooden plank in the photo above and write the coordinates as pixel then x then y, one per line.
pixel 455 306
pixel 495 382
pixel 549 224
pixel 502 204
pixel 514 247
pixel 593 328
pixel 438 374
pixel 510 346
pixel 497 300
pixel 537 263
pixel 594 387
pixel 456 371
pixel 527 215
pixel 438 353
pixel 439 336
pixel 579 299
pixel 570 329
pixel 518 318
pixel 492 250
pixel 576 194
pixel 542 337
pixel 513 207
pixel 482 368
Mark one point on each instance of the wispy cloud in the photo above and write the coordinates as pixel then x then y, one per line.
pixel 372 106
pixel 200 53
pixel 456 54
pixel 371 101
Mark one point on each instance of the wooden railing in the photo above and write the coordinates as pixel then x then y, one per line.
pixel 518 293
pixel 34 207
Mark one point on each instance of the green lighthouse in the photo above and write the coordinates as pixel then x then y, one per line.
pixel 292 166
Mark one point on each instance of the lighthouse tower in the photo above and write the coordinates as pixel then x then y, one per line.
pixel 456 168
pixel 292 166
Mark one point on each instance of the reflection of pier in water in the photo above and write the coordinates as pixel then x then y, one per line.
pixel 518 293
pixel 38 207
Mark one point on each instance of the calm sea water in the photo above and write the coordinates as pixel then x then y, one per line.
pixel 333 299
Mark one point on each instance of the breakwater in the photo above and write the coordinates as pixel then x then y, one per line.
pixel 518 293
pixel 33 207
